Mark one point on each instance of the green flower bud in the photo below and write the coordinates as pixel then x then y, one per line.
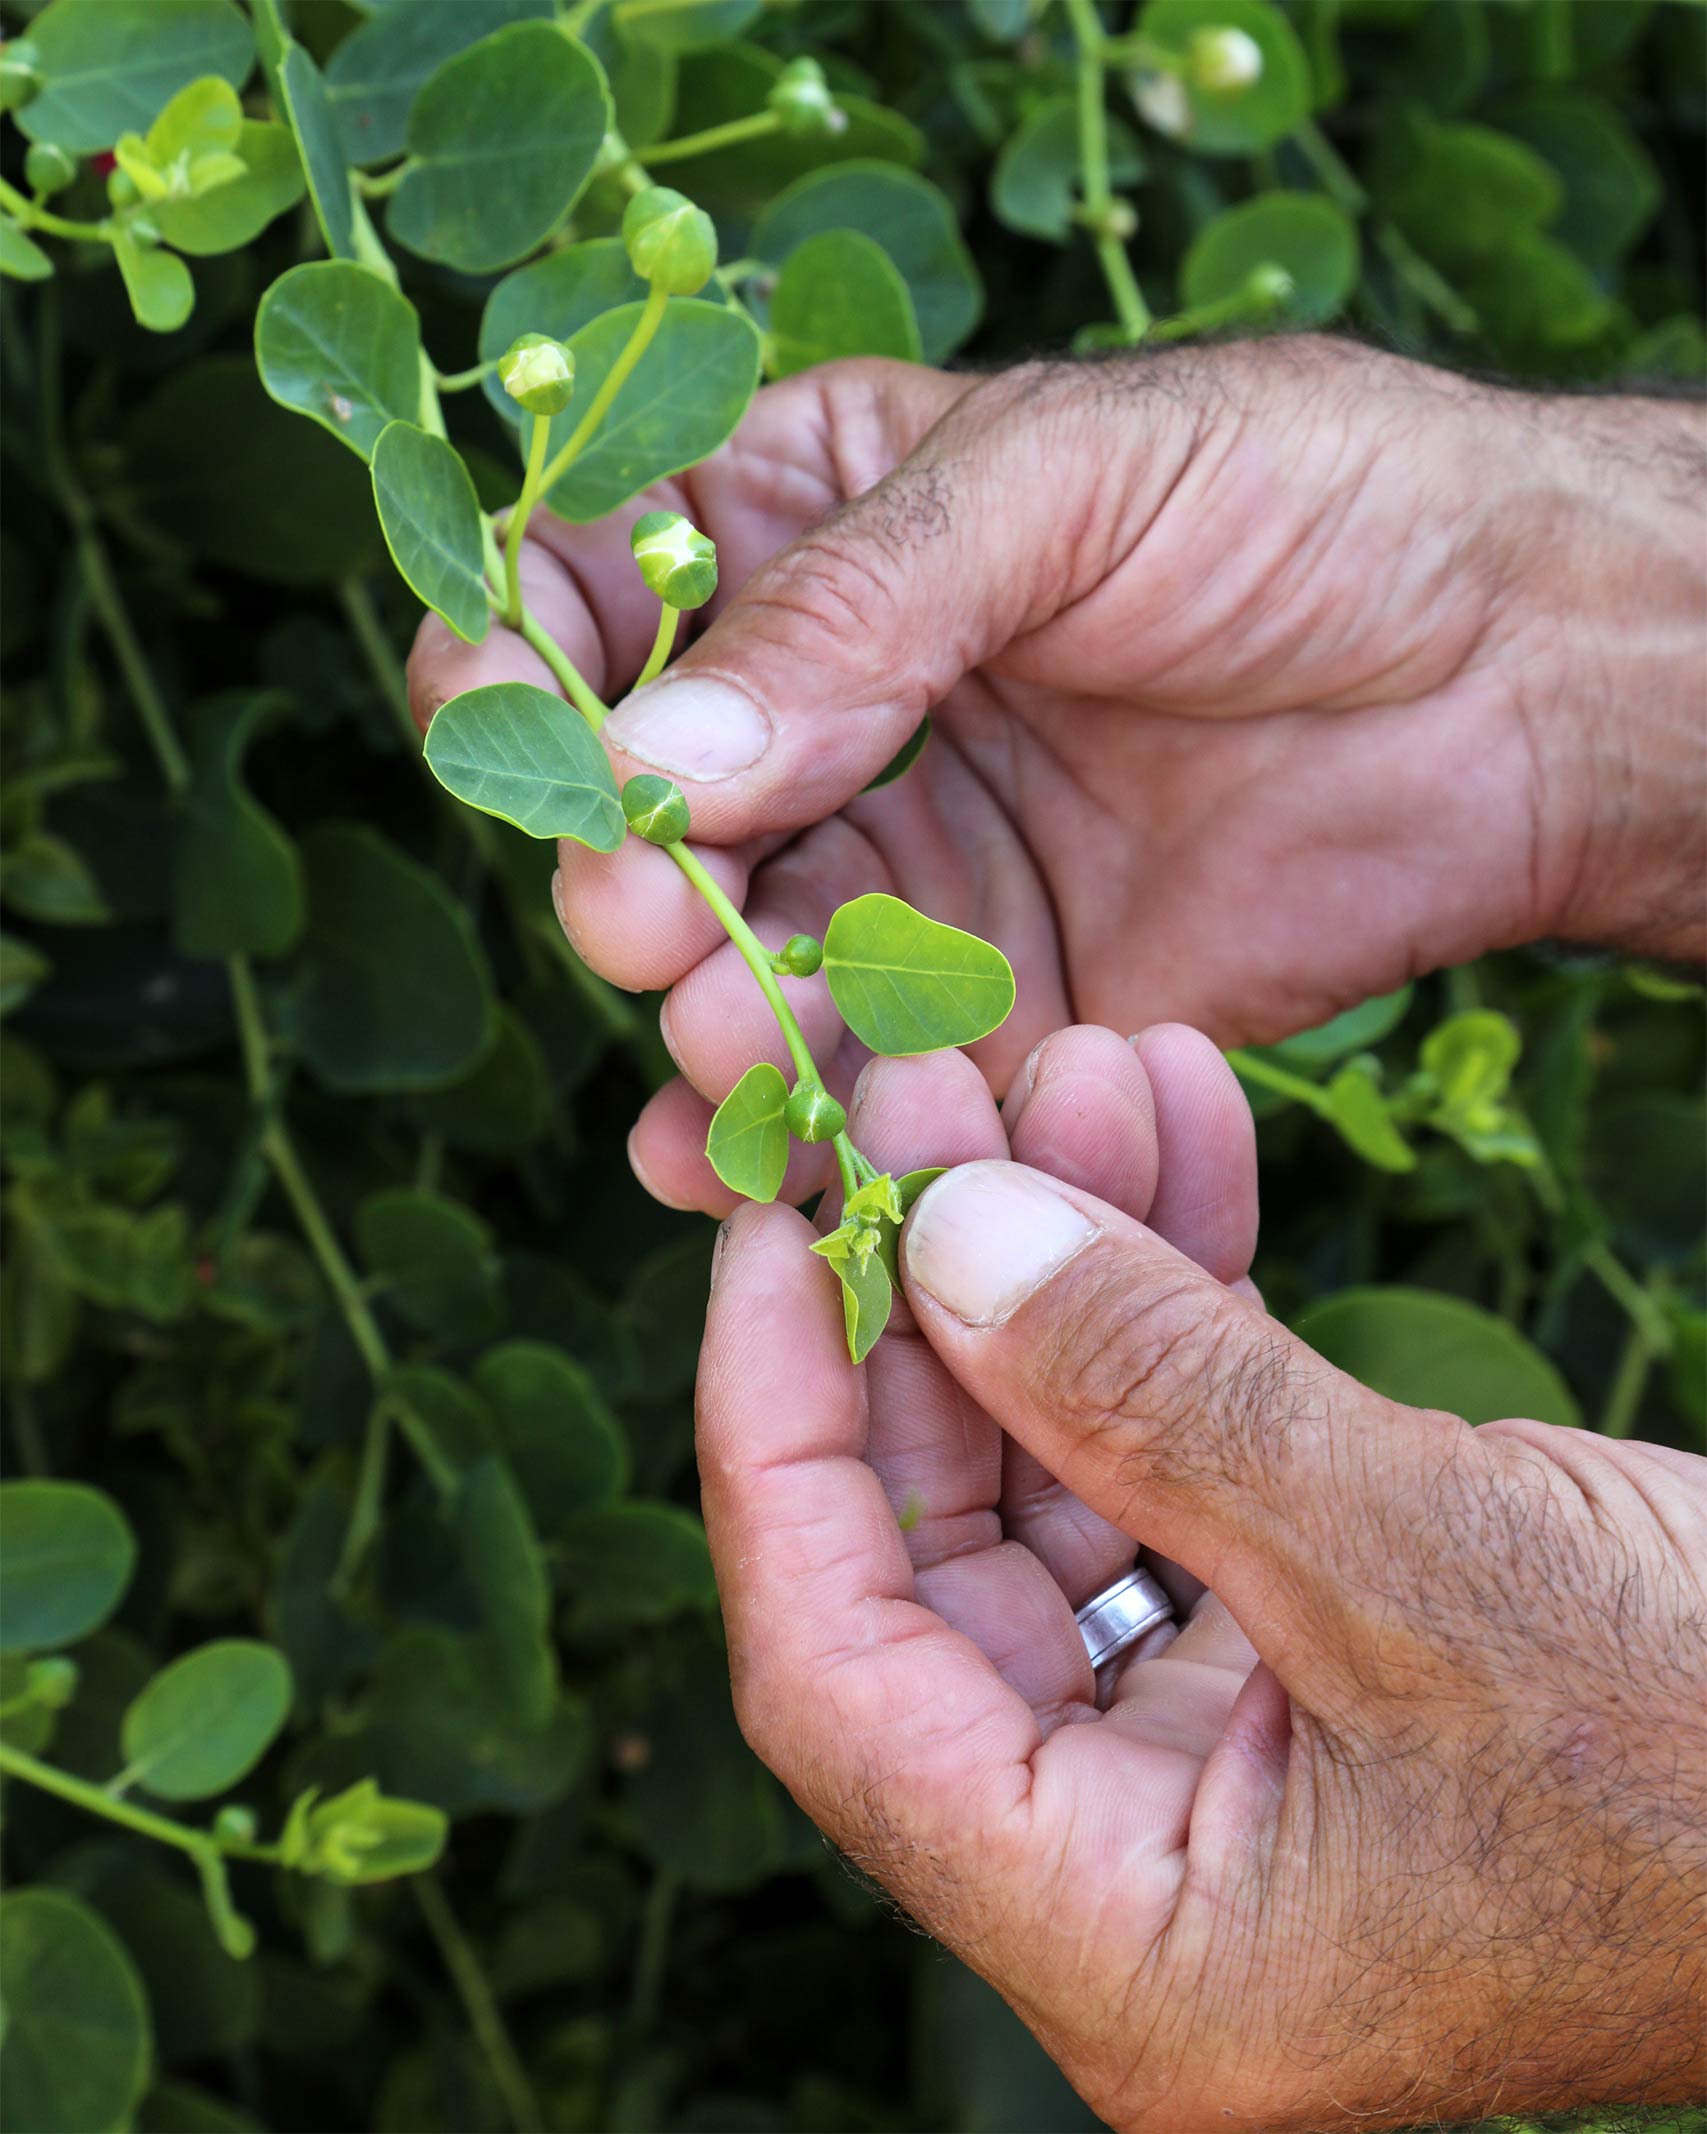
pixel 52 1683
pixel 799 956
pixel 812 1114
pixel 676 560
pixel 671 243
pixel 800 97
pixel 1269 285
pixel 121 189
pixel 538 373
pixel 48 169
pixel 1224 61
pixel 20 74
pixel 236 1824
pixel 656 808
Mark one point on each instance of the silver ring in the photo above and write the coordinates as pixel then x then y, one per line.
pixel 1120 1614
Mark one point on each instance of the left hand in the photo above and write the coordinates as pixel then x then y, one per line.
pixel 1429 1842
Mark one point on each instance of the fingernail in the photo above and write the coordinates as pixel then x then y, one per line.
pixel 988 1236
pixel 698 729
pixel 1019 1089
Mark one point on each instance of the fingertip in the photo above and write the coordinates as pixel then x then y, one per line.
pixel 1085 1114
pixel 936 1108
pixel 1205 1203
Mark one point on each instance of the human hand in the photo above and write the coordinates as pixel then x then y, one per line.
pixel 1262 678
pixel 1438 1851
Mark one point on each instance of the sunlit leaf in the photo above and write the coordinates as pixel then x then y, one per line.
pixel 110 65
pixel 340 346
pixel 230 215
pixel 907 984
pixel 206 1720
pixel 520 753
pixel 747 1144
pixel 66 1555
pixel 1237 121
pixel 157 282
pixel 20 256
pixel 431 520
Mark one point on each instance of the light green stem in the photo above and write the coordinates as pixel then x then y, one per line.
pixel 95 1800
pixel 1278 1079
pixel 650 319
pixel 32 216
pixel 479 2005
pixel 1629 1383
pixel 591 708
pixel 519 516
pixel 727 135
pixel 1238 307
pixel 376 187
pixel 139 679
pixel 754 955
pixel 1129 305
pixel 459 381
pixel 662 646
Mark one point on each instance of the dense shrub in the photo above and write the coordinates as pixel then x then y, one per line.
pixel 363 1708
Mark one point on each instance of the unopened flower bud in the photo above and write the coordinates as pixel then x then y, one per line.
pixel 799 956
pixel 812 1114
pixel 1162 103
pixel 671 243
pixel 800 97
pixel 48 169
pixel 1119 221
pixel 52 1683
pixel 1269 285
pixel 236 1824
pixel 656 808
pixel 1224 60
pixel 20 73
pixel 676 560
pixel 538 373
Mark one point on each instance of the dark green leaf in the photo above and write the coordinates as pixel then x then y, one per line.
pixel 207 1720
pixel 636 1563
pixel 505 1566
pixel 684 25
pixel 184 2108
pixel 374 75
pixel 904 757
pixel 340 346
pixel 747 1145
pixel 501 140
pixel 237 882
pixel 230 215
pixel 431 520
pixel 1241 121
pixel 77 2049
pixel 395 992
pixel 526 756
pixel 66 1555
pixel 315 126
pixel 564 1445
pixel 1611 187
pixel 1304 233
pixel 45 878
pixel 703 1807
pixel 110 65
pixel 907 984
pixel 1036 183
pixel 1500 189
pixel 1432 1351
pixel 555 296
pixel 503 1104
pixel 839 295
pixel 433 1261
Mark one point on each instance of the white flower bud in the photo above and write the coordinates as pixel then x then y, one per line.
pixel 1269 284
pixel 1225 60
pixel 1162 103
pixel 676 560
pixel 539 373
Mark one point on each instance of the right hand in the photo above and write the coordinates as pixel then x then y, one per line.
pixel 1262 677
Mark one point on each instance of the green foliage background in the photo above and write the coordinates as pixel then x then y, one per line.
pixel 1488 1190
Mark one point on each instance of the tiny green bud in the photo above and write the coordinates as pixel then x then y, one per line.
pixel 538 373
pixel 20 73
pixel 656 808
pixel 671 243
pixel 236 1824
pixel 1224 60
pixel 812 1114
pixel 52 1683
pixel 676 560
pixel 1269 284
pixel 48 169
pixel 121 189
pixel 799 956
pixel 800 97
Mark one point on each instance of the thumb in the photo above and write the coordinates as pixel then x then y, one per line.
pixel 1182 1413
pixel 828 657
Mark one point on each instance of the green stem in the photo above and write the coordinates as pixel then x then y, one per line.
pixel 479 2005
pixel 1238 307
pixel 1129 305
pixel 1278 1079
pixel 754 954
pixel 650 319
pixel 591 708
pixel 110 611
pixel 376 188
pixel 652 1954
pixel 1629 1383
pixel 458 381
pixel 30 215
pixel 662 645
pixel 727 135
pixel 95 1800
pixel 27 1431
pixel 538 444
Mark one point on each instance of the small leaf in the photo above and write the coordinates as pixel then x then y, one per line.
pixel 502 139
pixel 434 1261
pixel 205 1721
pixel 1360 1114
pixel 1434 1351
pixel 335 343
pixel 1241 120
pixel 361 1836
pixel 377 71
pixel 158 283
pixel 524 755
pixel 867 1298
pixel 839 295
pixel 66 1555
pixel 303 95
pixel 22 969
pixel 431 520
pixel 1353 1031
pixel 503 1562
pixel 1035 183
pixel 237 878
pixel 908 1187
pixel 1470 1058
pixel 566 1448
pixel 45 878
pixel 78 2047
pixel 1314 240
pixel 748 1142
pixel 110 65
pixel 20 255
pixel 907 984
pixel 227 218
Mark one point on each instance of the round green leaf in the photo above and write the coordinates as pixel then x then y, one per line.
pixel 20 256
pixel 66 1555
pixel 206 1720
pixel 1306 233
pixel 395 992
pixel 501 140
pixel 374 75
pixel 680 402
pixel 230 215
pixel 503 1103
pixel 1611 187
pixel 747 1145
pixel 1354 1031
pixel 158 283
pixel 564 1445
pixel 909 218
pixel 907 984
pixel 109 66
pixel 430 517
pixel 637 1563
pixel 303 96
pixel 335 343
pixel 433 1261
pixel 555 296
pixel 505 1566
pixel 684 25
pixel 77 2048
pixel 1035 183
pixel 1498 189
pixel 526 756
pixel 1433 1351
pixel 1237 122
pixel 237 878
pixel 839 294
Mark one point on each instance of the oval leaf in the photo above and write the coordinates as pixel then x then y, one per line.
pixel 1433 1351
pixel 1307 234
pixel 206 1720
pixel 524 755
pixel 1034 187
pixel 431 520
pixel 375 74
pixel 237 878
pixel 338 345
pixel 303 96
pixel 839 294
pixel 77 2047
pixel 505 1565
pixel 158 283
pixel 501 140
pixel 565 1447
pixel 20 256
pixel 748 1142
pixel 109 66
pixel 907 984
pixel 230 215
pixel 66 1555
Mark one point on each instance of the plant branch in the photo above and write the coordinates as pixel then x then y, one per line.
pixel 30 215
pixel 95 1800
pixel 538 445
pixel 650 319
pixel 479 2005
pixel 727 135
pixel 662 646
pixel 1129 305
